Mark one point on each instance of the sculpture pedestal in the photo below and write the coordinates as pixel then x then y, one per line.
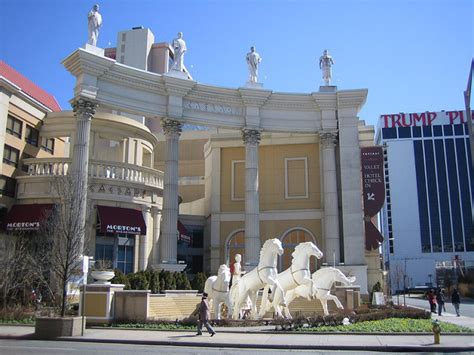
pixel 178 74
pixel 251 85
pixel 99 302
pixel 328 88
pixel 360 272
pixel 93 49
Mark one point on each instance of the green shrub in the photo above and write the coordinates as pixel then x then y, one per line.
pixel 138 281
pixel 121 278
pixel 167 281
pixel 198 282
pixel 154 281
pixel 182 281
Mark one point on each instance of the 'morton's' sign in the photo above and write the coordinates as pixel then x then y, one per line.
pixel 422 119
pixel 374 192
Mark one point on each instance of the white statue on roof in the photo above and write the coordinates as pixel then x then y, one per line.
pixel 253 60
pixel 94 21
pixel 325 64
pixel 179 46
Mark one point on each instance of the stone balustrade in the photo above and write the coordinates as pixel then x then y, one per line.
pixel 97 169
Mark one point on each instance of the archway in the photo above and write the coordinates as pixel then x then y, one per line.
pixel 235 244
pixel 290 239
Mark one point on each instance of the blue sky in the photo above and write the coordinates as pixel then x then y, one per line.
pixel 412 56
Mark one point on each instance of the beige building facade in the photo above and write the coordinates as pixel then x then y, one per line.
pixel 268 165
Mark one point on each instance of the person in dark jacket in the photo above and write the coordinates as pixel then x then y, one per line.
pixel 204 315
pixel 440 300
pixel 456 300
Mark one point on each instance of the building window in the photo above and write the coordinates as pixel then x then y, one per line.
pixel 7 186
pixel 296 178
pixel 118 249
pixel 32 136
pixel 10 155
pixel 47 144
pixel 14 126
pixel 238 180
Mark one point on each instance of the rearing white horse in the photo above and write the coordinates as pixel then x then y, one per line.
pixel 217 289
pixel 323 279
pixel 265 273
pixel 296 275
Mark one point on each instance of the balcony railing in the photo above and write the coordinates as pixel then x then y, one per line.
pixel 97 169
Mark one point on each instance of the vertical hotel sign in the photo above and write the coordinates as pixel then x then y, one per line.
pixel 374 192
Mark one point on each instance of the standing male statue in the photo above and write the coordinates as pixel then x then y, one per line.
pixel 94 19
pixel 179 46
pixel 325 63
pixel 253 59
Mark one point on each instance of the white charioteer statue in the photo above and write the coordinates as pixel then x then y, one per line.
pixel 253 60
pixel 94 22
pixel 237 269
pixel 179 46
pixel 325 64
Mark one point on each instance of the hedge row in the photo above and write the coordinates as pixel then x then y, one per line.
pixel 159 281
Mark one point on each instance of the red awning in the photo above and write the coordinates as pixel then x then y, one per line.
pixel 183 233
pixel 27 217
pixel 121 220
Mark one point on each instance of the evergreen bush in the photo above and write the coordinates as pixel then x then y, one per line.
pixel 121 278
pixel 138 281
pixel 182 281
pixel 199 281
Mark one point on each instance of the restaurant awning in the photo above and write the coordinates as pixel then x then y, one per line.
pixel 121 220
pixel 27 217
pixel 183 233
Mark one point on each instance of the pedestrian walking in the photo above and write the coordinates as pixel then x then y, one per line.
pixel 430 295
pixel 204 315
pixel 440 298
pixel 456 300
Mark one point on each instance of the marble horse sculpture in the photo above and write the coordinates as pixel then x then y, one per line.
pixel 264 274
pixel 297 274
pixel 323 279
pixel 217 288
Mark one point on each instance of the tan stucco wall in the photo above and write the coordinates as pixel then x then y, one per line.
pixel 191 192
pixel 96 305
pixel 272 177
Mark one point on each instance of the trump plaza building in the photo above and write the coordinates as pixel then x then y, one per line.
pixel 166 195
pixel 427 217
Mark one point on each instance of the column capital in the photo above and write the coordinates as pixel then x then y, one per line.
pixel 328 139
pixel 251 136
pixel 84 108
pixel 171 127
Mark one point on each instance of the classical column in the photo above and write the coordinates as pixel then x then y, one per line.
pixel 331 211
pixel 83 111
pixel 156 214
pixel 172 131
pixel 251 138
pixel 143 241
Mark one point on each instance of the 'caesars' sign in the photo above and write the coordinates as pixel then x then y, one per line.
pixel 422 119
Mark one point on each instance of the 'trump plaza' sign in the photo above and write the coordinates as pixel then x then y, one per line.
pixel 422 119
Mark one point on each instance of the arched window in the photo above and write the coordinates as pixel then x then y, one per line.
pixel 236 245
pixel 289 241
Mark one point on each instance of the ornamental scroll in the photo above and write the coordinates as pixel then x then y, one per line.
pixel 373 191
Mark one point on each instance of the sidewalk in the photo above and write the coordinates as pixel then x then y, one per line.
pixel 261 338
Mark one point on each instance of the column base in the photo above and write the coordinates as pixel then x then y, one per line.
pixel 169 267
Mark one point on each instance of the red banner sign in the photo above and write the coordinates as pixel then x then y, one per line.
pixel 374 192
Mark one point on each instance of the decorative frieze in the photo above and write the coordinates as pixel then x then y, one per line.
pixel 212 108
pixel 251 136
